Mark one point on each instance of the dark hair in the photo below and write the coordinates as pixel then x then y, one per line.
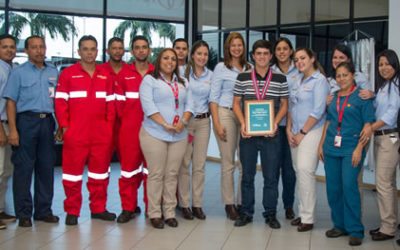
pixel 343 49
pixel 32 37
pixel 8 36
pixel 180 40
pixel 265 44
pixel 393 60
pixel 137 38
pixel 114 39
pixel 282 40
pixel 311 54
pixel 86 38
pixel 190 64
pixel 227 54
pixel 156 72
pixel 347 65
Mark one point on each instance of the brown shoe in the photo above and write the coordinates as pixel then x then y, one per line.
pixel 289 214
pixel 304 227
pixel 2 225
pixel 381 236
pixel 296 222
pixel 187 213
pixel 198 213
pixel 157 223
pixel 354 241
pixel 172 222
pixel 231 212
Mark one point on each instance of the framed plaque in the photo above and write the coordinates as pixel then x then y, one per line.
pixel 259 117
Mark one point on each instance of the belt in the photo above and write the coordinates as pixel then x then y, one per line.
pixel 386 131
pixel 36 114
pixel 202 116
pixel 4 121
pixel 226 107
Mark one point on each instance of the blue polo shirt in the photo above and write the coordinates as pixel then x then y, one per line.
pixel 5 69
pixel 357 113
pixel 32 88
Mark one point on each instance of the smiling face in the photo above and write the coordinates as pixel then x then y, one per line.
pixel 386 71
pixel 338 57
pixel 8 49
pixel 262 57
pixel 168 63
pixel 283 52
pixel 344 78
pixel 200 57
pixel 304 63
pixel 236 48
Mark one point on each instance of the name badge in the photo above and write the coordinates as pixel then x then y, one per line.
pixel 338 141
pixel 51 92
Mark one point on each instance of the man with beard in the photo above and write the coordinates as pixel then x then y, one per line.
pixel 130 117
pixel 181 48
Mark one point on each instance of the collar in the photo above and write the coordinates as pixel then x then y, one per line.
pixel 205 73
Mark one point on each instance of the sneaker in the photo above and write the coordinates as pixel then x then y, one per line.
pixel 272 222
pixel 71 220
pixel 2 225
pixel 7 218
pixel 104 216
pixel 125 216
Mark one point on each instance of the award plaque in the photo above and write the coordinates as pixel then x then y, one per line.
pixel 259 117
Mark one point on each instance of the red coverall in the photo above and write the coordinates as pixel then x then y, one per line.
pixel 130 116
pixel 85 106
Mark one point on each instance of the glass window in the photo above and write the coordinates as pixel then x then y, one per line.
pixel 2 3
pixel 214 56
pixel 73 6
pixel 173 10
pixel 262 12
pixel 207 15
pixel 233 14
pixel 370 8
pixel 326 10
pixel 295 11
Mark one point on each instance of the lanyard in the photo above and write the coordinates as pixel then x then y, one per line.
pixel 266 84
pixel 341 110
pixel 175 91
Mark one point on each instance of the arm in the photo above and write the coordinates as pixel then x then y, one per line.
pixel 61 104
pixel 237 109
pixel 13 137
pixel 390 115
pixel 321 142
pixel 289 132
pixel 215 93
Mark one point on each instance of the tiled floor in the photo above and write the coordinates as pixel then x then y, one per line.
pixel 214 233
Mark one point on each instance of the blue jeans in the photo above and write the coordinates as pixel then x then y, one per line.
pixel 343 194
pixel 287 172
pixel 34 155
pixel 269 148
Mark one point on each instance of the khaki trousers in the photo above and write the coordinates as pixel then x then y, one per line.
pixel 163 162
pixel 6 169
pixel 387 159
pixel 305 163
pixel 227 152
pixel 196 153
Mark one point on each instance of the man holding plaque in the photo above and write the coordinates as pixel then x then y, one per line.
pixel 260 102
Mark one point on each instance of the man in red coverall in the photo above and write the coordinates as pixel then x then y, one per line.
pixel 130 117
pixel 85 113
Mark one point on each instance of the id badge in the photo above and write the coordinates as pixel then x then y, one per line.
pixel 176 120
pixel 51 92
pixel 338 141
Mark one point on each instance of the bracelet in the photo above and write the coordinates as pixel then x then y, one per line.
pixel 302 132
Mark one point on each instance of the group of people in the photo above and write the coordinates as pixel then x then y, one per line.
pixel 157 119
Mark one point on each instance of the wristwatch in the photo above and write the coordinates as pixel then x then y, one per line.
pixel 302 132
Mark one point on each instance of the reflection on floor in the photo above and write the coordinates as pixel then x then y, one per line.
pixel 216 232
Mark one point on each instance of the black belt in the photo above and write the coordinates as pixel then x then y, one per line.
pixel 226 108
pixel 36 114
pixel 4 121
pixel 202 116
pixel 386 131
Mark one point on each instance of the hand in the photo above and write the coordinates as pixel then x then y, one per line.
pixel 3 137
pixel 290 137
pixel 356 157
pixel 179 127
pixel 221 132
pixel 366 94
pixel 321 153
pixel 169 128
pixel 366 133
pixel 243 131
pixel 13 138
pixel 298 138
pixel 60 134
pixel 329 99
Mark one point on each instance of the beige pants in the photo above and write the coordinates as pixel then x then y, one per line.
pixel 305 163
pixel 6 169
pixel 163 162
pixel 227 151
pixel 387 159
pixel 196 152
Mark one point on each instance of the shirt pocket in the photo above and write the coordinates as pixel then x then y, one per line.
pixel 30 90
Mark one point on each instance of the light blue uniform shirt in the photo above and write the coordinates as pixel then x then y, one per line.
pixel 292 76
pixel 222 84
pixel 360 79
pixel 5 69
pixel 156 96
pixel 200 88
pixel 308 98
pixel 32 88
pixel 387 105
